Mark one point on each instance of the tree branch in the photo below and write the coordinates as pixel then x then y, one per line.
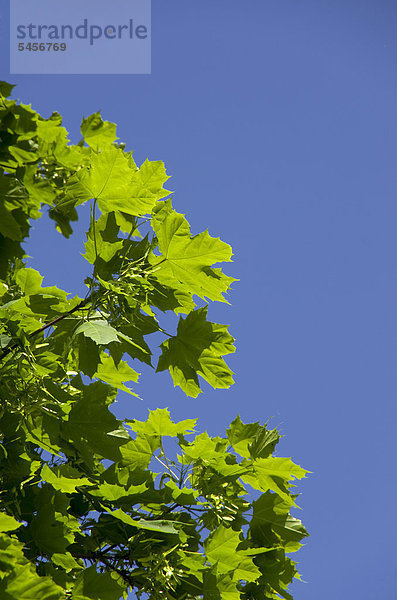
pixel 9 349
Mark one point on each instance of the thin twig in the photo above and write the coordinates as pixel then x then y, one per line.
pixel 34 333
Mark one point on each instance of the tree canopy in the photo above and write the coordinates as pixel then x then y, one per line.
pixel 92 507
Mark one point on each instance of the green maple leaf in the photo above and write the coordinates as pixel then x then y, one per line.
pixel 161 526
pixel 92 585
pixel 219 587
pixel 211 451
pixel 8 523
pixel 116 185
pixel 99 331
pixel 102 240
pixel 6 89
pixel 9 226
pixel 49 528
pixel 274 473
pixel 91 420
pixel 272 523
pixel 252 440
pixel 112 492
pixel 139 452
pixel 221 550
pixel 64 478
pixel 185 261
pixel 19 580
pixel 40 190
pixel 160 423
pixel 29 281
pixel 116 375
pixel 98 133
pixel 197 349
pixel 66 561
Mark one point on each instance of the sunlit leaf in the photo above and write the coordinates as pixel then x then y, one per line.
pixel 98 133
pixel 160 423
pixel 161 526
pixel 99 331
pixel 116 185
pixel 8 523
pixel 197 349
pixel 29 281
pixel 185 262
pixel 116 375
pixel 62 478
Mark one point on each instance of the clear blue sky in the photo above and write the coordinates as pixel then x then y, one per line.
pixel 277 122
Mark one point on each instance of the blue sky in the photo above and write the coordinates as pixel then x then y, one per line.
pixel 277 121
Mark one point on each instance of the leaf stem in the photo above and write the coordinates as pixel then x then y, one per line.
pixel 166 466
pixel 94 229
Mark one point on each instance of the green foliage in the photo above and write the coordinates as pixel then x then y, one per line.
pixel 92 507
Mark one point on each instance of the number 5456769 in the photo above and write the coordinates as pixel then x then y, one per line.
pixel 42 46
